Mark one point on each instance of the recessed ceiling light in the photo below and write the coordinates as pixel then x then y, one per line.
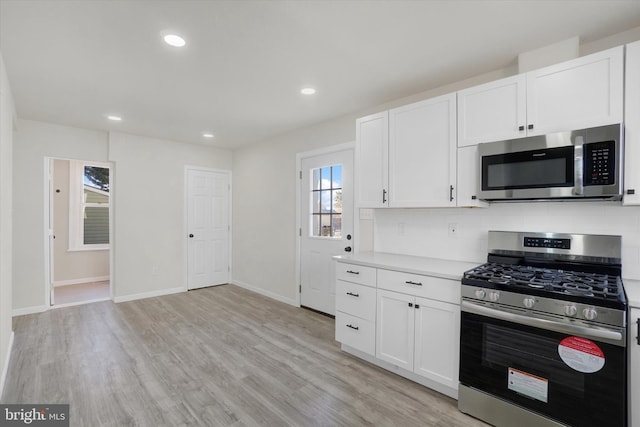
pixel 174 40
pixel 307 91
pixel 207 135
pixel 114 118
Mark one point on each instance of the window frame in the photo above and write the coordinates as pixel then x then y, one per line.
pixel 77 205
pixel 319 214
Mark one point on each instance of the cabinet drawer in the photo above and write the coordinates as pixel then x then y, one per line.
pixel 356 274
pixel 356 332
pixel 356 300
pixel 422 286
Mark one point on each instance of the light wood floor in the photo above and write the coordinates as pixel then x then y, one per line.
pixel 219 356
pixel 81 293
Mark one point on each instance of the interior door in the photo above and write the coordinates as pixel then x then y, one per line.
pixel 208 228
pixel 326 224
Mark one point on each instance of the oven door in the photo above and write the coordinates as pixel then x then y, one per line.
pixel 573 379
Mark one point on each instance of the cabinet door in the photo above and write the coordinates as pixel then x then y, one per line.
pixel 437 341
pixel 581 93
pixel 492 112
pixel 634 368
pixel 372 154
pixel 422 153
pixel 469 177
pixel 394 329
pixel 632 126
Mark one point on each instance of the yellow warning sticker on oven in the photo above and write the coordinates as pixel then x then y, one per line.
pixel 581 354
pixel 528 384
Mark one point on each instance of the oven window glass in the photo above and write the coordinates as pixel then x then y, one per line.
pixel 491 349
pixel 552 167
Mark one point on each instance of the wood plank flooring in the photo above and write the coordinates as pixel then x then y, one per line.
pixel 220 356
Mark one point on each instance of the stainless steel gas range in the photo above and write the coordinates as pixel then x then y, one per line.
pixel 543 332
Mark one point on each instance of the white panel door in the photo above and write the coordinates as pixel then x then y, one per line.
pixel 326 214
pixel 208 228
pixel 437 341
pixel 395 328
pixel 422 153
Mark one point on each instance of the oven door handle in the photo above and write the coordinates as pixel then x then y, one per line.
pixel 612 337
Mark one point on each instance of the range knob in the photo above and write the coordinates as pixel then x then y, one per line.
pixel 529 302
pixel 570 310
pixel 480 293
pixel 494 296
pixel 590 313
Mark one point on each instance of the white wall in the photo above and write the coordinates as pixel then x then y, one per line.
pixel 33 141
pixel 148 201
pixel 426 231
pixel 71 266
pixel 7 116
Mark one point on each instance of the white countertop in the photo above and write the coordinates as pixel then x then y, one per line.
pixel 632 288
pixel 446 269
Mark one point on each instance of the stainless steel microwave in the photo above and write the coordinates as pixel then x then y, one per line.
pixel 581 164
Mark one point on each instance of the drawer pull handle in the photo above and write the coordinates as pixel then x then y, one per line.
pixel 409 282
pixel 352 294
pixel 638 337
pixel 353 327
pixel 353 272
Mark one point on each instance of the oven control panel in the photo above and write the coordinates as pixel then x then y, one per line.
pixel 544 242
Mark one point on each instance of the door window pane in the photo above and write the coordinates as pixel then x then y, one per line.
pixel 326 201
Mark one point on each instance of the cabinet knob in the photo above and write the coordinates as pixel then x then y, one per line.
pixel 520 128
pixel 631 191
pixel 530 127
pixel 410 304
pixel 384 196
pixel 451 193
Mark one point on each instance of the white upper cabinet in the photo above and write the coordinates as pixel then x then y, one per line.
pixel 469 178
pixel 372 156
pixel 581 93
pixel 422 153
pixel 632 126
pixel 493 111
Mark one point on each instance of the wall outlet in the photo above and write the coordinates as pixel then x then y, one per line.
pixel 453 229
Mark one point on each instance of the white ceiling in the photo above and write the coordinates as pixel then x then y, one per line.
pixel 73 62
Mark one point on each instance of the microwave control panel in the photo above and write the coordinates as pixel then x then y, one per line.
pixel 599 163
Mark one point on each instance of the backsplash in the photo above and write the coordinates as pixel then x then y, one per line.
pixel 461 234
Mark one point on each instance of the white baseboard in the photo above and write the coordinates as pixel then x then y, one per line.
pixel 29 310
pixel 271 295
pixel 150 294
pixel 81 280
pixel 5 368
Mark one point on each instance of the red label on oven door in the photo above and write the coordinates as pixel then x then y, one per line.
pixel 581 354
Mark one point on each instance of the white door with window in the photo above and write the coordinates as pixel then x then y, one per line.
pixel 326 213
pixel 208 227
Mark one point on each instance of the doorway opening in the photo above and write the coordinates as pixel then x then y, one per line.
pixel 79 231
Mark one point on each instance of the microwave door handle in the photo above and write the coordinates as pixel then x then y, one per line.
pixel 578 167
pixel 611 337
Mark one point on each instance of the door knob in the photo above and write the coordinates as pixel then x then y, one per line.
pixel 347 249
pixel 348 236
pixel 191 236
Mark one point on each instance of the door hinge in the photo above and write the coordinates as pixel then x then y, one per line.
pixel 300 231
pixel 229 269
pixel 300 288
pixel 300 174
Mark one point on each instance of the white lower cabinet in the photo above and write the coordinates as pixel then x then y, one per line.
pixel 634 367
pixel 405 322
pixel 419 335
